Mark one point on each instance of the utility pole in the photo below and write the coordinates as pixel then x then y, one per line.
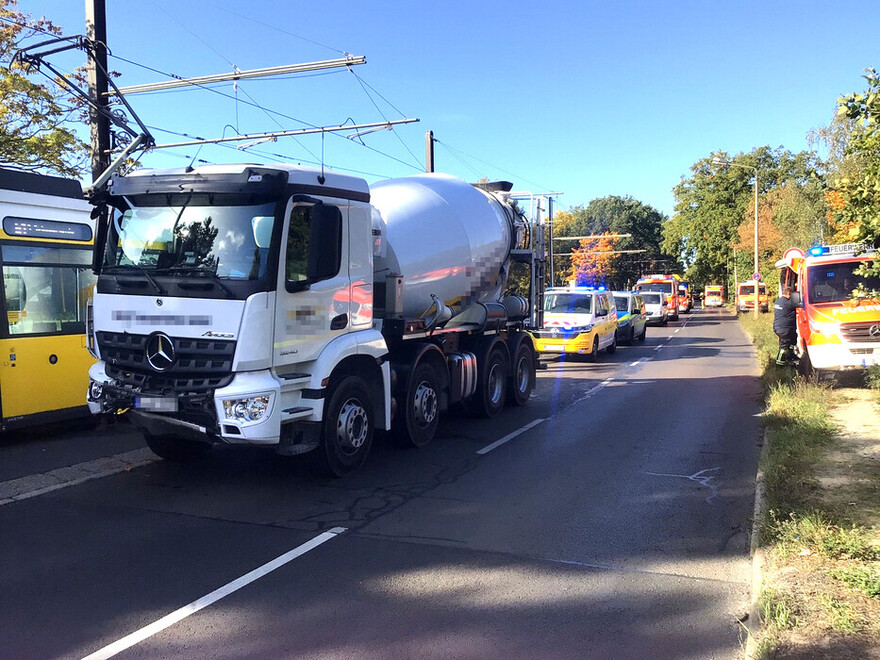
pixel 429 151
pixel 96 32
pixel 550 227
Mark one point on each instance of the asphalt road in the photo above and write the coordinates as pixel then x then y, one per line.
pixel 612 521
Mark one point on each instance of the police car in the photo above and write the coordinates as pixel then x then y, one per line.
pixel 578 320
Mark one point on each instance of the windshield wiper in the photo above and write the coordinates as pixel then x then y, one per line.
pixel 184 268
pixel 116 267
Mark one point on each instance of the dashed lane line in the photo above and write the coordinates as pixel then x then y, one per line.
pixel 179 615
pixel 510 436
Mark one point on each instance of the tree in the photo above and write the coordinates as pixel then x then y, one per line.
pixel 718 198
pixel 593 264
pixel 36 118
pixel 857 210
pixel 613 215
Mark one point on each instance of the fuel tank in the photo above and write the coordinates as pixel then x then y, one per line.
pixel 445 237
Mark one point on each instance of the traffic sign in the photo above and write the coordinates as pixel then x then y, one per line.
pixel 756 276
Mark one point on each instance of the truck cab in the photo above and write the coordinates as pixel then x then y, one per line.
pixel 746 298
pixel 838 322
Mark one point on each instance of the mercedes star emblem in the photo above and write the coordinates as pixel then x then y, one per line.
pixel 874 331
pixel 160 351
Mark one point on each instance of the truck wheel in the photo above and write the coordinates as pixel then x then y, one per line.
pixel 491 392
pixel 176 449
pixel 347 432
pixel 805 367
pixel 522 374
pixel 594 354
pixel 421 408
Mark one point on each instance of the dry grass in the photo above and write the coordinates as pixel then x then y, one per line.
pixel 821 583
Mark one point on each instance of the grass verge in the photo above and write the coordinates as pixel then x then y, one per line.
pixel 820 595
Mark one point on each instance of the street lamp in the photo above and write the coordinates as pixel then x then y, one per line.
pixel 719 161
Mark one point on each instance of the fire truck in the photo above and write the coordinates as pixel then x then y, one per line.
pixel 665 284
pixel 838 318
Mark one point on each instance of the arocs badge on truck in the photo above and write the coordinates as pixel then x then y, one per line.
pixel 160 351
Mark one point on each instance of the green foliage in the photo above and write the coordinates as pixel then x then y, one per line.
pixel 864 578
pixel 860 211
pixel 36 117
pixel 777 609
pixel 815 534
pixel 615 215
pixel 718 198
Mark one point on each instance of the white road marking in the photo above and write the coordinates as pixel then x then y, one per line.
pixel 677 329
pixel 175 617
pixel 700 477
pixel 657 348
pixel 510 436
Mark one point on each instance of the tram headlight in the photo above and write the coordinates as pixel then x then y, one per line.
pixel 250 409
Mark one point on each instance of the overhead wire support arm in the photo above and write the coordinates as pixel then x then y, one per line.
pixel 37 60
pixel 278 134
pixel 240 75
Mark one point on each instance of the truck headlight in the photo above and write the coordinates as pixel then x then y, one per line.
pixel 246 410
pixel 821 328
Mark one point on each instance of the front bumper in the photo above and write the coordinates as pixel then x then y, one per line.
pixel 581 344
pixel 843 357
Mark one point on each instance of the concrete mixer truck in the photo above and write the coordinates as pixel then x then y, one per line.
pixel 299 310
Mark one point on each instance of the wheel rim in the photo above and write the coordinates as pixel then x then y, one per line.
pixel 523 377
pixel 352 426
pixel 495 384
pixel 425 404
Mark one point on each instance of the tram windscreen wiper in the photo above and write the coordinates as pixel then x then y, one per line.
pixel 119 267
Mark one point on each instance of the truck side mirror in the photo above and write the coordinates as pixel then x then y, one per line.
pixel 325 242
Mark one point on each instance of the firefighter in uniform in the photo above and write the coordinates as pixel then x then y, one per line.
pixel 785 324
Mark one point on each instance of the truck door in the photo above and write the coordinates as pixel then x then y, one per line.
pixel 314 287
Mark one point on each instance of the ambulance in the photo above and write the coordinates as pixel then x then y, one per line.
pixel 713 295
pixel 838 325
pixel 745 296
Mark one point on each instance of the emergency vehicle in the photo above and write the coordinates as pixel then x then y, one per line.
pixel 685 297
pixel 745 296
pixel 713 295
pixel 665 284
pixel 838 328
pixel 578 319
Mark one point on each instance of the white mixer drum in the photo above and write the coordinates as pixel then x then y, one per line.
pixel 445 237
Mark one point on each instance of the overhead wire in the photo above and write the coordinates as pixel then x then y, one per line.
pixel 496 167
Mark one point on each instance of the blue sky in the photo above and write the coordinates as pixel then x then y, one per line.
pixel 585 98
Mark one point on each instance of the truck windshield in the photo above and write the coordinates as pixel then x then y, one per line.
pixel 661 287
pixel 228 241
pixel 572 303
pixel 837 282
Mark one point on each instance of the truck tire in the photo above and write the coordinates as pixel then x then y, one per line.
pixel 488 400
pixel 175 449
pixel 522 373
pixel 347 432
pixel 417 424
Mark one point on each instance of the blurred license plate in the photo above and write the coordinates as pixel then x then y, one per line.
pixel 156 403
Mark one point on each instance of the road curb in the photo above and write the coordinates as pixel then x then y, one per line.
pixel 758 553
pixel 34 485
